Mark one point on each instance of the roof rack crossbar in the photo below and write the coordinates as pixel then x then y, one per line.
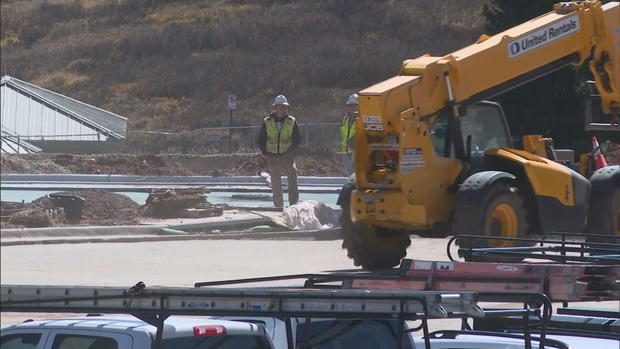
pixel 557 247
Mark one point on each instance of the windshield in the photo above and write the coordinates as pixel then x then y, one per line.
pixel 359 334
pixel 485 124
pixel 217 342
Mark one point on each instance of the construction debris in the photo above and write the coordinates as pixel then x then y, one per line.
pixel 307 215
pixel 181 203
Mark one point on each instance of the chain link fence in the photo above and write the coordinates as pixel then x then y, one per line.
pixel 223 140
pixel 216 140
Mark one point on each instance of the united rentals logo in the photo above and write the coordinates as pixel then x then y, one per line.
pixel 543 36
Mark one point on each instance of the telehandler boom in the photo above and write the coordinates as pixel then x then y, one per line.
pixel 431 156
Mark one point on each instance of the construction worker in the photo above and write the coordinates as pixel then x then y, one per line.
pixel 347 132
pixel 278 140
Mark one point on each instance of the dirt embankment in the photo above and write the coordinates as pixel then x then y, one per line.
pixel 309 163
pixel 100 207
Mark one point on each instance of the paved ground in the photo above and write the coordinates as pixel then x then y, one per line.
pixel 176 263
pixel 182 263
pixel 179 263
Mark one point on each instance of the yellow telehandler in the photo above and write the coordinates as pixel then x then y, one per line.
pixel 433 157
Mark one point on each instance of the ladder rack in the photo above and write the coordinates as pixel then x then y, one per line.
pixel 155 304
pixel 290 302
pixel 566 248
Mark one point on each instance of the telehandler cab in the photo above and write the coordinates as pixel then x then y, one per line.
pixel 433 157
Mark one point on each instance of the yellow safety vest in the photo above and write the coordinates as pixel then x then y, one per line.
pixel 279 140
pixel 347 132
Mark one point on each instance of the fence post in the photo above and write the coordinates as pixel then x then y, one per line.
pixel 230 132
pixel 306 137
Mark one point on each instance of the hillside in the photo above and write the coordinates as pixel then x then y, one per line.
pixel 169 65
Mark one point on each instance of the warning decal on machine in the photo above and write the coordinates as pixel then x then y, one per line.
pixel 408 166
pixel 412 154
pixel 543 36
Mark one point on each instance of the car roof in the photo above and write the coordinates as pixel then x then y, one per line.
pixel 587 342
pixel 490 341
pixel 174 326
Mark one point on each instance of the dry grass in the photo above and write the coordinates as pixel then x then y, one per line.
pixel 169 65
pixel 68 79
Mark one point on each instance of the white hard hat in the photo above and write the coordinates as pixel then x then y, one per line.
pixel 353 99
pixel 280 100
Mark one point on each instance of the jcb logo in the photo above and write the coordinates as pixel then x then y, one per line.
pixel 373 127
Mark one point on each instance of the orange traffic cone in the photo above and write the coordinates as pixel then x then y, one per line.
pixel 598 154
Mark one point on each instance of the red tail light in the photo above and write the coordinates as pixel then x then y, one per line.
pixel 209 330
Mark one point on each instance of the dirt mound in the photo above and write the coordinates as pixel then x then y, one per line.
pixel 310 162
pixel 15 163
pixel 101 207
pixel 31 218
pixel 29 215
pixel 250 166
pixel 120 164
pixel 319 162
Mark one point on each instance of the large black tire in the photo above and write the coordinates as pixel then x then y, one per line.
pixel 502 213
pixel 370 247
pixel 604 215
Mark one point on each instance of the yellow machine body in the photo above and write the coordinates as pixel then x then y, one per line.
pixel 403 182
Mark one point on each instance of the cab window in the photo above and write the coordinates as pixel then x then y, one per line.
pixel 72 341
pixel 359 334
pixel 20 341
pixel 487 128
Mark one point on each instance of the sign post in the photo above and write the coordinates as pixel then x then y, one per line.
pixel 232 105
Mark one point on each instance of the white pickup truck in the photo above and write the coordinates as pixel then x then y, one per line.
pixel 331 333
pixel 127 332
pixel 258 313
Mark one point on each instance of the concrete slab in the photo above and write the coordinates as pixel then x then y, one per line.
pixel 228 220
pixel 318 235
pixel 233 224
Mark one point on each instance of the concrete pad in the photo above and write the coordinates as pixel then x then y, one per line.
pixel 150 226
pixel 188 229
pixel 328 234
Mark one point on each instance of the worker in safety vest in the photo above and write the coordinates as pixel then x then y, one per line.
pixel 347 132
pixel 278 140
